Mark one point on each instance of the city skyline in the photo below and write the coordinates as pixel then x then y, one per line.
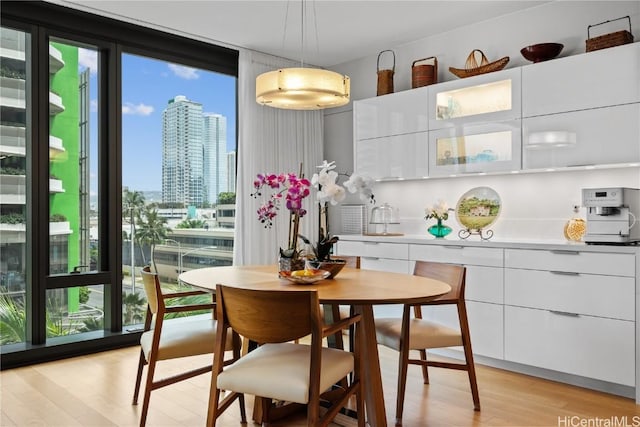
pixel 148 84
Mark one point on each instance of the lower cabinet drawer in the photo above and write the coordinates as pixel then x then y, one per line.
pixel 572 261
pixel 590 294
pixel 384 264
pixel 457 254
pixel 592 347
pixel 485 325
pixel 374 249
pixel 485 284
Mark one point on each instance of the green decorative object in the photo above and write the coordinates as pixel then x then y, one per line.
pixel 439 230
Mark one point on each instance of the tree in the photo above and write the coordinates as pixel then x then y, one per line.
pixel 152 230
pixel 132 205
pixel 227 198
pixel 191 223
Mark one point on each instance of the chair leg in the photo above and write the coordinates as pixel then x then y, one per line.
pixel 425 370
pixel 147 391
pixel 403 362
pixel 471 370
pixel 141 364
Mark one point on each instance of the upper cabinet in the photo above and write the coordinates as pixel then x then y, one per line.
pixel 392 114
pixel 485 98
pixel 596 79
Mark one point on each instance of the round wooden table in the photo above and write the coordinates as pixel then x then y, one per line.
pixel 357 287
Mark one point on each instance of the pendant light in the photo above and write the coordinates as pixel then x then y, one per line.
pixel 302 88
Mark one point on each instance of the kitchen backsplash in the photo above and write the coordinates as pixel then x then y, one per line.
pixel 534 205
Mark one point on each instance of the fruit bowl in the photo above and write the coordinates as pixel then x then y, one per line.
pixel 304 277
pixel 541 52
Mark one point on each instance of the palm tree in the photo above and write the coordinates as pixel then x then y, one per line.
pixel 132 204
pixel 134 306
pixel 153 230
pixel 191 223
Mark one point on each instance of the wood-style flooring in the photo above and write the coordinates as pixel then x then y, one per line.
pixel 96 390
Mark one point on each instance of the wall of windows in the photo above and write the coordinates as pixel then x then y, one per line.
pixel 69 155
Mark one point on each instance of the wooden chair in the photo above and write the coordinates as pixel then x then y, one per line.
pixel 170 339
pixel 422 334
pixel 278 368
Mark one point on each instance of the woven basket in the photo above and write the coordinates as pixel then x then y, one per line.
pixel 609 40
pixel 385 77
pixel 473 69
pixel 424 74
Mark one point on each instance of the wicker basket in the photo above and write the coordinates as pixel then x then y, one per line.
pixel 473 69
pixel 424 74
pixel 385 77
pixel 609 40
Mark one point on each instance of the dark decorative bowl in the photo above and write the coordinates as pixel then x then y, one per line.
pixel 333 266
pixel 541 52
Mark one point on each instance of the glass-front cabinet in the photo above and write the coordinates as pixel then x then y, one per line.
pixel 490 147
pixel 486 98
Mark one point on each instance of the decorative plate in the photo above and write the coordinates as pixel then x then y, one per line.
pixel 311 276
pixel 478 208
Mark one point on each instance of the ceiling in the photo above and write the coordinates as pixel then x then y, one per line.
pixel 335 31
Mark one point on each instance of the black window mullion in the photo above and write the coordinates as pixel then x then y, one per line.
pixel 40 185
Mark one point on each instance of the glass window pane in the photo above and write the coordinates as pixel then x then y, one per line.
pixel 474 100
pixel 480 148
pixel 14 205
pixel 179 203
pixel 73 225
pixel 75 310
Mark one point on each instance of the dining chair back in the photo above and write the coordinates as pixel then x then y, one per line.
pixel 279 369
pixel 164 339
pixel 420 334
pixel 343 311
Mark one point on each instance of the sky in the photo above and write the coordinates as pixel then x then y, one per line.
pixel 147 86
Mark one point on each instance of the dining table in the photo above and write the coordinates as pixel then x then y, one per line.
pixel 359 288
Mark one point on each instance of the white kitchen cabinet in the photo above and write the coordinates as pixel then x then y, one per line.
pixel 595 79
pixel 484 293
pixel 393 157
pixel 392 114
pixel 485 325
pixel 607 135
pixel 485 98
pixel 489 147
pixel 588 346
pixel 571 311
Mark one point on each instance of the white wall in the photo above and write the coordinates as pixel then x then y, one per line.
pixel 535 206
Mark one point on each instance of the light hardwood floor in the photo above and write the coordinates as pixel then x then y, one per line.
pixel 96 390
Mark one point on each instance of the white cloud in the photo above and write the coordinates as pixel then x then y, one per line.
pixel 89 59
pixel 181 71
pixel 137 110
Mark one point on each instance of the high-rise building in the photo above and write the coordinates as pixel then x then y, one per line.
pixel 231 172
pixel 215 156
pixel 68 168
pixel 182 152
pixel 194 154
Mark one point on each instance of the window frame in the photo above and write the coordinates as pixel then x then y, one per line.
pixel 44 21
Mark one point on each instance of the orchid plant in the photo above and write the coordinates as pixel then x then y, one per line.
pixel 331 193
pixel 293 189
pixel 439 211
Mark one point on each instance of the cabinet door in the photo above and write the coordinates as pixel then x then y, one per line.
pixel 594 79
pixel 479 99
pixel 393 157
pixel 475 148
pixel 591 347
pixel 374 249
pixel 606 135
pixel 392 114
pixel 485 325
pixel 572 261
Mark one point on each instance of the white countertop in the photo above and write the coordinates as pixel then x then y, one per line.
pixel 475 241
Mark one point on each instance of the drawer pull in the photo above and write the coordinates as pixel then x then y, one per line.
pixel 453 246
pixel 564 313
pixel 565 273
pixel 564 252
pixel 370 258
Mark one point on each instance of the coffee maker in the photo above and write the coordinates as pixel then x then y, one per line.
pixel 612 215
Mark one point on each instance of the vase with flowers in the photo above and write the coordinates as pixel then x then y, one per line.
pixel 439 212
pixel 293 189
pixel 330 193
